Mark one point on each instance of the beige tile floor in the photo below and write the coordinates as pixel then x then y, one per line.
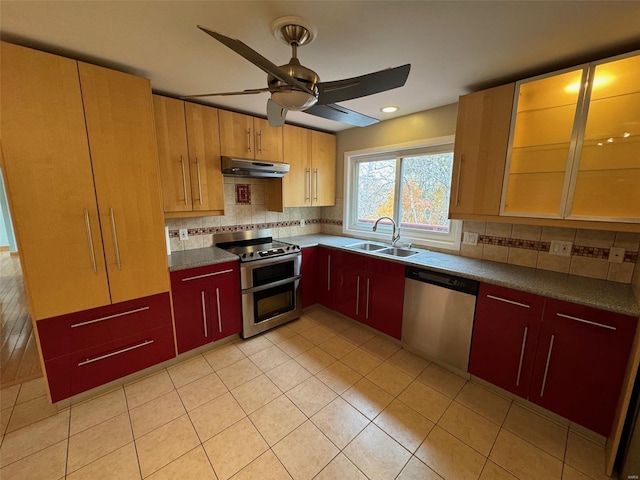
pixel 321 397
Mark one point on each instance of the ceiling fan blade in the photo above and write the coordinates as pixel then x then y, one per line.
pixel 341 114
pixel 349 88
pixel 251 91
pixel 258 60
pixel 276 114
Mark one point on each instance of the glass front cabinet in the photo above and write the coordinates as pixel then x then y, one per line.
pixel 574 146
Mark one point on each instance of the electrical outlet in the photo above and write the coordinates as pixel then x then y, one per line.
pixel 562 249
pixel 302 222
pixel 470 238
pixel 184 233
pixel 616 254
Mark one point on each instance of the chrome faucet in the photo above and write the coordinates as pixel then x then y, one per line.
pixel 394 236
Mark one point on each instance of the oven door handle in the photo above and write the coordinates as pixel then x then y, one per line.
pixel 272 284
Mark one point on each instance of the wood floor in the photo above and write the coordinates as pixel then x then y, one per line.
pixel 18 356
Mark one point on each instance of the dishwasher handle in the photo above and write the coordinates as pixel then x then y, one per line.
pixel 444 280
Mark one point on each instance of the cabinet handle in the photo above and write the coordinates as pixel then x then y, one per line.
pixel 115 238
pixel 260 141
pixel 92 254
pixel 199 182
pixel 117 352
pixel 184 180
pixel 524 305
pixel 589 322
pixel 219 314
pixel 367 304
pixel 207 275
pixel 546 367
pixel 329 273
pixel 358 296
pixel 204 314
pixel 458 181
pixel 524 342
pixel 315 197
pixel 307 187
pixel 249 139
pixel 109 317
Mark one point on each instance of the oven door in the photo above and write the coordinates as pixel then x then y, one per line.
pixel 269 270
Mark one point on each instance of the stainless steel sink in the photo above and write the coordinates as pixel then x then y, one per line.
pixel 367 246
pixel 398 252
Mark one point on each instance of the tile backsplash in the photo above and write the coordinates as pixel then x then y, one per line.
pixel 529 245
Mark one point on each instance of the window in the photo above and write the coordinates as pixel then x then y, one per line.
pixel 411 185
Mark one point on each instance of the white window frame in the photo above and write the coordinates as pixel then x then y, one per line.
pixel 450 241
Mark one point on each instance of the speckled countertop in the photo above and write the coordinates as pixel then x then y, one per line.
pixel 612 296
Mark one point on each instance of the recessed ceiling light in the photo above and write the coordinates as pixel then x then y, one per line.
pixel 389 109
pixel 626 134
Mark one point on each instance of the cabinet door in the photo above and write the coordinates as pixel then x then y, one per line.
pixel 351 284
pixel 193 315
pixel 309 271
pixel 267 141
pixel 47 168
pixel 328 264
pixel 384 297
pixel 296 185
pixel 323 158
pixel 480 151
pixel 581 362
pixel 173 155
pixel 236 135
pixel 119 117
pixel 207 189
pixel 225 299
pixel 505 335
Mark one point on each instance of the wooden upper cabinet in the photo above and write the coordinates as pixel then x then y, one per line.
pixel 244 136
pixel 47 168
pixel 480 151
pixel 296 185
pixel 323 164
pixel 207 188
pixel 119 116
pixel 81 171
pixel 189 156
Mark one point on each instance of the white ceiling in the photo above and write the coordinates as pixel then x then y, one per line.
pixel 453 46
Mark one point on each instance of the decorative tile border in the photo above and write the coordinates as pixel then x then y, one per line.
pixel 577 250
pixel 253 226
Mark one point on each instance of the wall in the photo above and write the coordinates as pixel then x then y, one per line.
pixel 243 214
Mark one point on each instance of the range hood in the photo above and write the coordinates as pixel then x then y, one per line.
pixel 240 167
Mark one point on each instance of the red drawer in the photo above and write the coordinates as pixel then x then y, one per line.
pixel 507 300
pixel 182 278
pixel 81 371
pixel 80 331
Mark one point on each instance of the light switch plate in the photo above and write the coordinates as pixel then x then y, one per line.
pixel 562 249
pixel 616 254
pixel 470 238
pixel 302 222
pixel 184 233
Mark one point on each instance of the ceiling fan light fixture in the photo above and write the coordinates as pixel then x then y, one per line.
pixel 389 109
pixel 294 99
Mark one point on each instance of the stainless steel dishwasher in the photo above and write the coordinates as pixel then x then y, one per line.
pixel 437 319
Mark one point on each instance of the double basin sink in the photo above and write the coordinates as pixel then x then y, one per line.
pixel 383 249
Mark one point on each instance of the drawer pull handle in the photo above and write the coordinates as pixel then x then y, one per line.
pixel 204 315
pixel 368 288
pixel 117 352
pixel 315 196
pixel 207 275
pixel 219 314
pixel 199 181
pixel 115 315
pixel 546 367
pixel 307 196
pixel 184 180
pixel 358 296
pixel 589 322
pixel 524 342
pixel 524 305
pixel 329 273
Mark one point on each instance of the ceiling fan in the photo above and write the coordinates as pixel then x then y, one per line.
pixel 295 87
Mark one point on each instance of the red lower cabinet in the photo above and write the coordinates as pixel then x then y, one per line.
pixel 567 358
pixel 329 262
pixel 86 349
pixel 309 272
pixel 206 304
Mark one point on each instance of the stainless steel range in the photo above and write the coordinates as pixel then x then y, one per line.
pixel 269 278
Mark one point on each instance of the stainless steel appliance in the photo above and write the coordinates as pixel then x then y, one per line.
pixel 240 167
pixel 269 279
pixel 629 452
pixel 438 313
